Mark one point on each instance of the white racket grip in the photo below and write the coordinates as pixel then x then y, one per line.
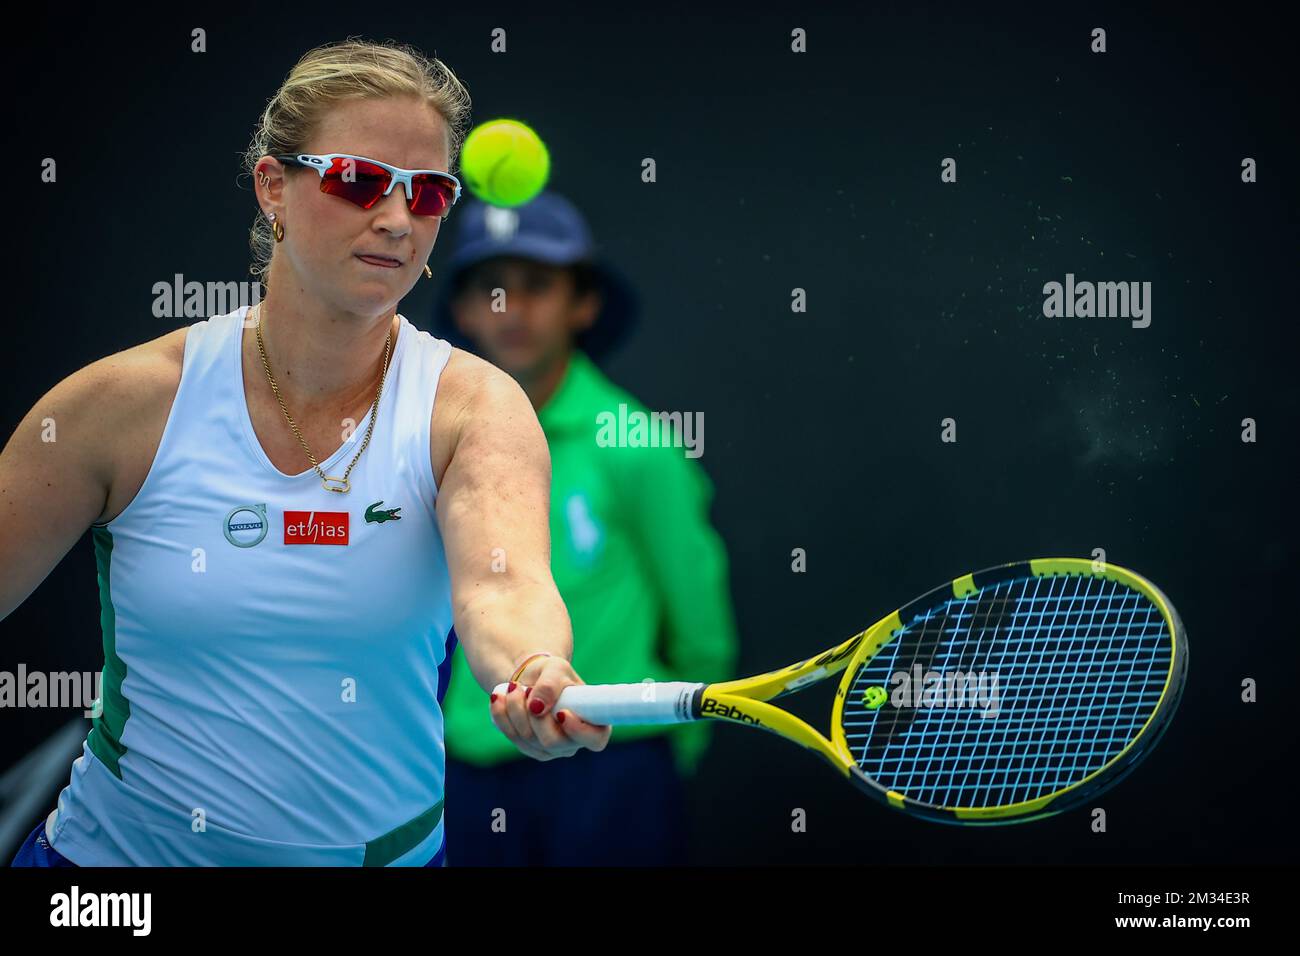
pixel 650 702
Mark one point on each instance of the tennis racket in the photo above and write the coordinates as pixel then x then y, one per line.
pixel 1003 696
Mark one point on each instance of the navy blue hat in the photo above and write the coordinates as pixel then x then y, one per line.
pixel 547 229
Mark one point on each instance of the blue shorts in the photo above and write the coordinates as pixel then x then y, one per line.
pixel 36 851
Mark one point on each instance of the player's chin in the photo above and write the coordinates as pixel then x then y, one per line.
pixel 374 294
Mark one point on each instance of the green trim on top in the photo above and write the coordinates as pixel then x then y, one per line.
pixel 106 729
pixel 385 849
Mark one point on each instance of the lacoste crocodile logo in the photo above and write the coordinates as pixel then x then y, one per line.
pixel 381 515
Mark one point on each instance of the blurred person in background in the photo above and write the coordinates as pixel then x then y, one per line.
pixel 636 560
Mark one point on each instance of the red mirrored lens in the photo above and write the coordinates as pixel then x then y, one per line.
pixel 432 195
pixel 355 180
pixel 364 183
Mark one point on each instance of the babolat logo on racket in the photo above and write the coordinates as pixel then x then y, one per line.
pixel 727 712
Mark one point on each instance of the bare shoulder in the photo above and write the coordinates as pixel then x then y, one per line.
pixel 148 367
pixel 476 400
pixel 116 388
pixel 79 455
pixel 125 386
pixel 117 408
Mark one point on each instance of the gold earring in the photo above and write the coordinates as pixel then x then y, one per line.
pixel 428 273
pixel 264 179
pixel 277 228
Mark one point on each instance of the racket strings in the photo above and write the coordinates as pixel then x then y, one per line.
pixel 1014 693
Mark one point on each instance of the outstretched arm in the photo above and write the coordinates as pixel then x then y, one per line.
pixel 493 505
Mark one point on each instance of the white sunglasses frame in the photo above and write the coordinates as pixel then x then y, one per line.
pixel 322 163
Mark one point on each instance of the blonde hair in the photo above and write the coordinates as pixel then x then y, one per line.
pixel 336 72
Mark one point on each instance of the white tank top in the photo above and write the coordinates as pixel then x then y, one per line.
pixel 271 649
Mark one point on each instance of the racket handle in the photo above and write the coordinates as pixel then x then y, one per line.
pixel 650 702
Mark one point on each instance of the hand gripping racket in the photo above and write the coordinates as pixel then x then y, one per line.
pixel 1003 696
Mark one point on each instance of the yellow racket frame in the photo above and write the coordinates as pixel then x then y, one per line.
pixel 744 701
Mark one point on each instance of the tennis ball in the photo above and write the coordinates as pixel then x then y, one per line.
pixel 504 162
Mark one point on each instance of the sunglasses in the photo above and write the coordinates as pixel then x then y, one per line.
pixel 363 181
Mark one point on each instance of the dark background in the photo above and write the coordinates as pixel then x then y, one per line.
pixel 818 171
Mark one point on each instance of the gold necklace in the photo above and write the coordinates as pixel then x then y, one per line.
pixel 339 485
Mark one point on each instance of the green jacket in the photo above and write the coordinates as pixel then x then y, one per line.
pixel 639 566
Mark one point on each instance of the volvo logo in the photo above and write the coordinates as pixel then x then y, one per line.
pixel 246 525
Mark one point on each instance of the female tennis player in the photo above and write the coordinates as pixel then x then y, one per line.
pixel 291 505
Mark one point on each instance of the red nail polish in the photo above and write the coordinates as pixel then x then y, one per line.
pixel 559 716
pixel 537 707
pixel 527 692
pixel 511 688
pixel 494 698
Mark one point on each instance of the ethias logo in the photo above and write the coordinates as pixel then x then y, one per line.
pixel 315 527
